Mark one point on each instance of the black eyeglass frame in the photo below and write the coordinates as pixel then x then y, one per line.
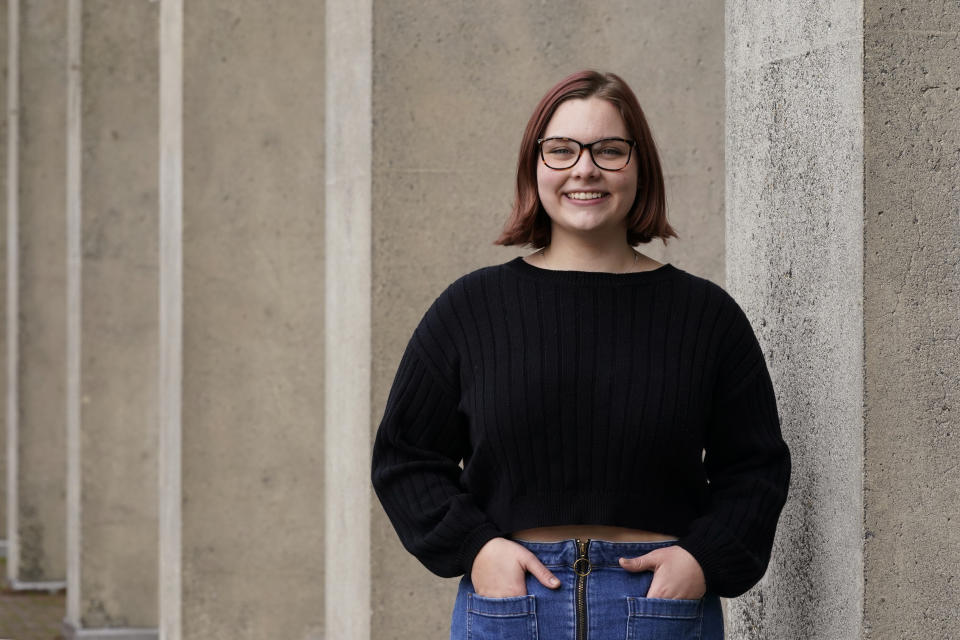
pixel 582 146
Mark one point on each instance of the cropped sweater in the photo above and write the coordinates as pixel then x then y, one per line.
pixel 640 400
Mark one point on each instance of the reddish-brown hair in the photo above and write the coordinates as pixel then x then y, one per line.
pixel 647 219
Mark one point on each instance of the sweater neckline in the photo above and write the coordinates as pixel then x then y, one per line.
pixel 521 266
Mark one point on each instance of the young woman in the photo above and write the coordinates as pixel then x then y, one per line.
pixel 623 464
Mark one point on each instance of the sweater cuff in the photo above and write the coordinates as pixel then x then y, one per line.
pixel 729 569
pixel 474 542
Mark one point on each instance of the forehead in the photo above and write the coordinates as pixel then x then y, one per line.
pixel 586 119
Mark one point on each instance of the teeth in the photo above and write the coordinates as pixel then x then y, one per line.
pixel 585 195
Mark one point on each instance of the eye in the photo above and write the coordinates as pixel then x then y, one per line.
pixel 559 148
pixel 612 151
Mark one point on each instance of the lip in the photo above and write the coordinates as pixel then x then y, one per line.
pixel 586 203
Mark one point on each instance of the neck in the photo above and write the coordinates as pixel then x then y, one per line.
pixel 613 256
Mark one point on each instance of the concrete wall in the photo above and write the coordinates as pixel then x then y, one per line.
pixel 911 311
pixel 4 75
pixel 838 210
pixel 794 261
pixel 41 415
pixel 448 73
pixel 348 609
pixel 253 188
pixel 842 244
pixel 114 566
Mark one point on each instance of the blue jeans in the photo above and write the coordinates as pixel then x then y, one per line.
pixel 597 600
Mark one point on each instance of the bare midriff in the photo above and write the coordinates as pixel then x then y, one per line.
pixel 592 531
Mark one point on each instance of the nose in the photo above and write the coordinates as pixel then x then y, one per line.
pixel 585 166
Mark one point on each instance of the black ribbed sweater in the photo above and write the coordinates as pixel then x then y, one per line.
pixel 577 397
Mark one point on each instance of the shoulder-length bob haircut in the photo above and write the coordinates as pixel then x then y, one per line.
pixel 647 219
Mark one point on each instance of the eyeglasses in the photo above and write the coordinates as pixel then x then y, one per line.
pixel 610 154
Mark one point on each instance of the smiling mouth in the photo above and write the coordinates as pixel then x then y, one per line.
pixel 585 195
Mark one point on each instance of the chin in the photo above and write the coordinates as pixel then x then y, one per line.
pixel 587 223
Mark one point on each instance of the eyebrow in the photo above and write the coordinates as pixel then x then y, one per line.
pixel 556 135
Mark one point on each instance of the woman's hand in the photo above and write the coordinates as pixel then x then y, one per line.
pixel 499 570
pixel 676 573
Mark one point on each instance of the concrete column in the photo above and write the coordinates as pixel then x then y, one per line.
pixel 911 319
pixel 794 261
pixel 842 246
pixel 112 330
pixel 347 319
pixel 4 79
pixel 36 310
pixel 471 71
pixel 241 396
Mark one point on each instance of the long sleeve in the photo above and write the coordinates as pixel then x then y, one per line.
pixel 747 464
pixel 415 465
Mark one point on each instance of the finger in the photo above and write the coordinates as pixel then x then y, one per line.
pixel 540 572
pixel 640 563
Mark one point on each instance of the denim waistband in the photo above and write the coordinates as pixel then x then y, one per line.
pixel 599 552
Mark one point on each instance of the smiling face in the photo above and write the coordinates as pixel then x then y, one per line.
pixel 585 198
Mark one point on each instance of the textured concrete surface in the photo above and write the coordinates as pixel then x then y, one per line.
pixel 842 244
pixel 170 329
pixel 911 310
pixel 252 507
pixel 41 375
pixel 853 290
pixel 452 78
pixel 4 71
pixel 117 557
pixel 794 262
pixel 347 316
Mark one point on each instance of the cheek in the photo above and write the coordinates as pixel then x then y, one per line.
pixel 547 184
pixel 628 186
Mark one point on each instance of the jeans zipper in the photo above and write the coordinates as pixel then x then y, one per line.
pixel 582 568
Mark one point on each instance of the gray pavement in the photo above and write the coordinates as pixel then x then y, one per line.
pixel 30 615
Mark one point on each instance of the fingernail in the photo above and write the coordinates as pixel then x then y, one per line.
pixel 554 581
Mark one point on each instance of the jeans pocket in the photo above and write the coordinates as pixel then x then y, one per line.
pixel 664 618
pixel 510 618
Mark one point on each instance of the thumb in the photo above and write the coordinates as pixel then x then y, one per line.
pixel 640 563
pixel 540 572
